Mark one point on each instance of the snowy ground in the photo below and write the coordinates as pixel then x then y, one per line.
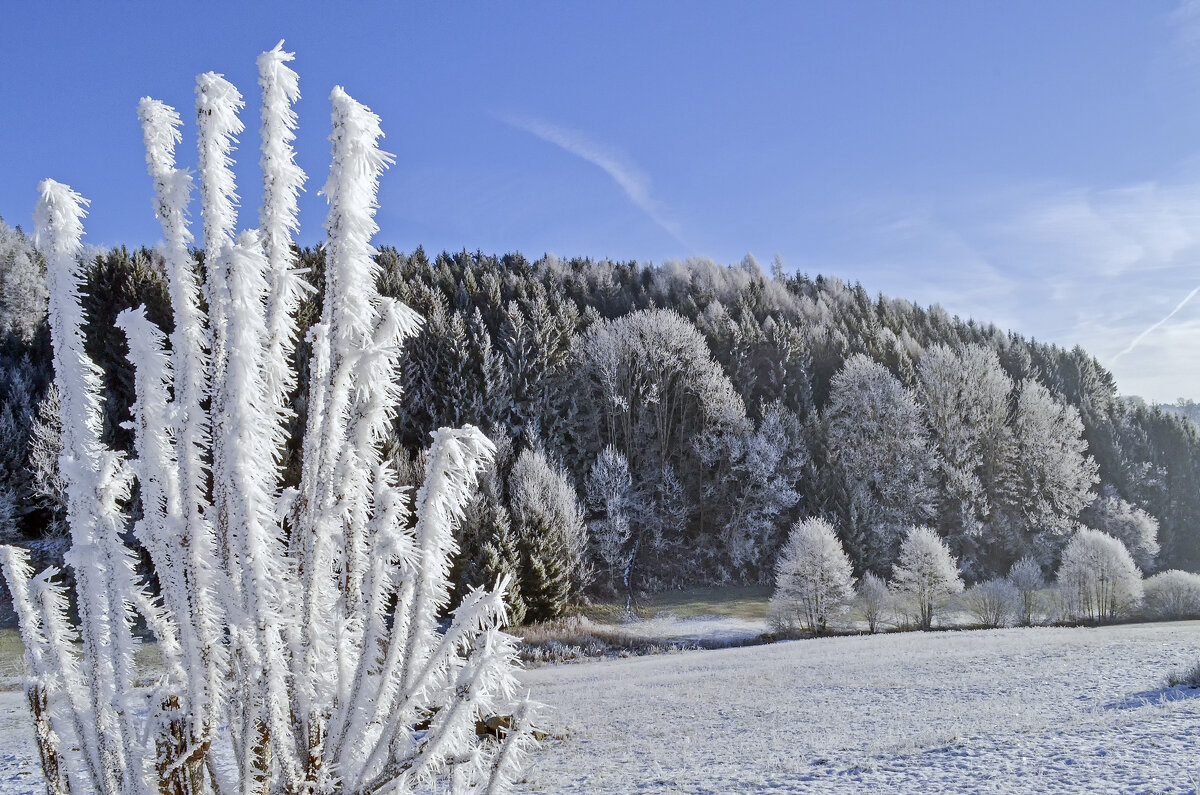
pixel 1017 710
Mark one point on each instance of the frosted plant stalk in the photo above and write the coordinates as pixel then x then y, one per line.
pixel 302 649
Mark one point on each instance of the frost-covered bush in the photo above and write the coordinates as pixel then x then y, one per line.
pixel 1097 577
pixel 993 603
pixel 548 524
pixel 873 601
pixel 304 637
pixel 1173 594
pixel 1188 677
pixel 925 574
pixel 1026 577
pixel 814 580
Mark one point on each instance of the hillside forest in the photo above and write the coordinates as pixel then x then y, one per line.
pixel 663 426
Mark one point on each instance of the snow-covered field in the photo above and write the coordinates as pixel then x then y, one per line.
pixel 1016 710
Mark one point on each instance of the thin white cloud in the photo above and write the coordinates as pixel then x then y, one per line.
pixel 1138 339
pixel 631 179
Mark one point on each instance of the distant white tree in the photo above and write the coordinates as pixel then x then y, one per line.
pixel 608 492
pixel 1127 523
pixel 1173 594
pixel 874 600
pixel 1026 577
pixel 925 573
pixel 302 635
pixel 1097 577
pixel 993 603
pixel 881 452
pixel 814 580
pixel 23 294
pixel 10 515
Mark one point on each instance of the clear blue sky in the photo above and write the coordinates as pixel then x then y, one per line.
pixel 1029 163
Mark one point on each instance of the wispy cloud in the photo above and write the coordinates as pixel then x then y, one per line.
pixel 631 179
pixel 1108 268
pixel 1138 339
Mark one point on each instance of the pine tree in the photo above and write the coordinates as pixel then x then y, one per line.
pixel 608 490
pixel 548 524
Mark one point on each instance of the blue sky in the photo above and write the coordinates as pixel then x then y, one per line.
pixel 1032 164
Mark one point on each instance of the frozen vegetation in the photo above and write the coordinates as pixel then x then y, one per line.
pixel 1025 710
pixel 305 634
pixel 326 480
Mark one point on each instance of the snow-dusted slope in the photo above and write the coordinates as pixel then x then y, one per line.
pixel 1019 710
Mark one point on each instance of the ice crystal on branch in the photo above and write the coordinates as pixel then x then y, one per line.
pixel 304 638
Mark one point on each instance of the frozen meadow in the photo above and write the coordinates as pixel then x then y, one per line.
pixel 1013 710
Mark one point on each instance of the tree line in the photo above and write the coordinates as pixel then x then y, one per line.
pixel 663 426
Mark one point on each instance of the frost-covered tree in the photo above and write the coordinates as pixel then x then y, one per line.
pixel 1097 577
pixel 608 491
pixel 1051 478
pixel 755 485
pixel 653 388
pixel 1026 577
pixel 301 631
pixel 47 488
pixel 18 406
pixel 1173 594
pixel 925 574
pixel 1127 523
pixel 880 453
pixel 548 523
pixel 23 296
pixel 490 546
pixel 873 600
pixel 964 396
pixel 813 578
pixel 993 603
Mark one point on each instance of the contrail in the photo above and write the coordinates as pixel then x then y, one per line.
pixel 632 181
pixel 1153 328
